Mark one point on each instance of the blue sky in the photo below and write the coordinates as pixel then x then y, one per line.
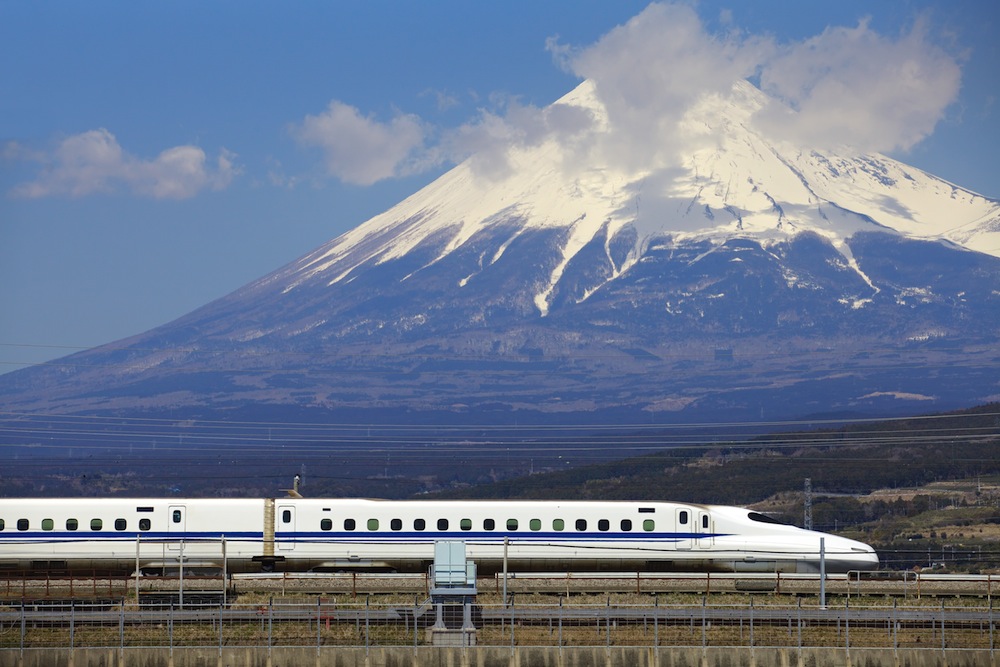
pixel 155 156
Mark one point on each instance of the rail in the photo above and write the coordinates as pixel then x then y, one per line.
pixel 904 584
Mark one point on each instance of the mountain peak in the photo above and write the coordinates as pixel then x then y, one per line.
pixel 717 176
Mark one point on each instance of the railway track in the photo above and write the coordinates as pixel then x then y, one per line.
pixel 903 584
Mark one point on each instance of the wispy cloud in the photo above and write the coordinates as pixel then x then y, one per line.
pixel 856 87
pixel 93 162
pixel 509 125
pixel 360 149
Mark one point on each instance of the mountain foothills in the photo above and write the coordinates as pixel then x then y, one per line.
pixel 921 490
pixel 560 281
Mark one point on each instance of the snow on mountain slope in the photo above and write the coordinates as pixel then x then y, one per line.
pixel 724 272
pixel 736 184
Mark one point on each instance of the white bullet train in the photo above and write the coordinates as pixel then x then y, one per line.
pixel 298 534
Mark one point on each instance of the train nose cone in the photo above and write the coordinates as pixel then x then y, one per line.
pixel 853 555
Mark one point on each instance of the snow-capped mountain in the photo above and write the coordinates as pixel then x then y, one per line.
pixel 740 185
pixel 726 276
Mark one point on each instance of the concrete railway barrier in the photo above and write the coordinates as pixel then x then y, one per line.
pixel 498 657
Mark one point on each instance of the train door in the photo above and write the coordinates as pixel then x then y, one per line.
pixel 284 531
pixel 682 525
pixel 703 524
pixel 176 525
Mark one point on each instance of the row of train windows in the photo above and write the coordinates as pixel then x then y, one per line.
pixel 73 524
pixel 488 524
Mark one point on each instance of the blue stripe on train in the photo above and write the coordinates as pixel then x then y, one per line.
pixel 355 536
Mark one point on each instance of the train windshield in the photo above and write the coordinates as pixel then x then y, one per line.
pixel 763 518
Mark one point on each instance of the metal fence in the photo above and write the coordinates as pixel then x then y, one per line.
pixel 362 624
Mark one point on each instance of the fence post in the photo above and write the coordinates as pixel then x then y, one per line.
pixel 895 629
pixel 799 623
pixel 607 624
pixel 847 623
pixel 511 620
pixel 170 630
pixel 942 628
pixel 656 622
pixel 121 631
pixel 704 624
pixel 560 623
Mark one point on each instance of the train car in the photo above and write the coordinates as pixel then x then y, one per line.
pixel 112 535
pixel 299 534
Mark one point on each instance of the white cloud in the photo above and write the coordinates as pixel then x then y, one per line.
pixel 488 139
pixel 653 76
pixel 359 149
pixel 855 87
pixel 93 162
pixel 845 86
pixel 650 71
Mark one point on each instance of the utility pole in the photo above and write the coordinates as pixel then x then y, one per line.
pixel 807 521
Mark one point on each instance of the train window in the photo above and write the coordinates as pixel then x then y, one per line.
pixel 535 524
pixel 682 517
pixel 72 524
pixel 121 524
pixel 96 524
pixel 349 524
pixel 144 524
pixel 372 524
pixel 489 524
pixel 396 524
pixel 648 525
pixel 603 525
pixel 558 524
pixel 626 525
pixel 442 524
pixel 286 516
pixel 22 524
pixel 1 524
pixel 511 524
pixel 176 516
pixel 465 524
pixel 704 521
pixel 48 524
pixel 419 524
pixel 581 524
pixel 763 518
pixel 324 524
